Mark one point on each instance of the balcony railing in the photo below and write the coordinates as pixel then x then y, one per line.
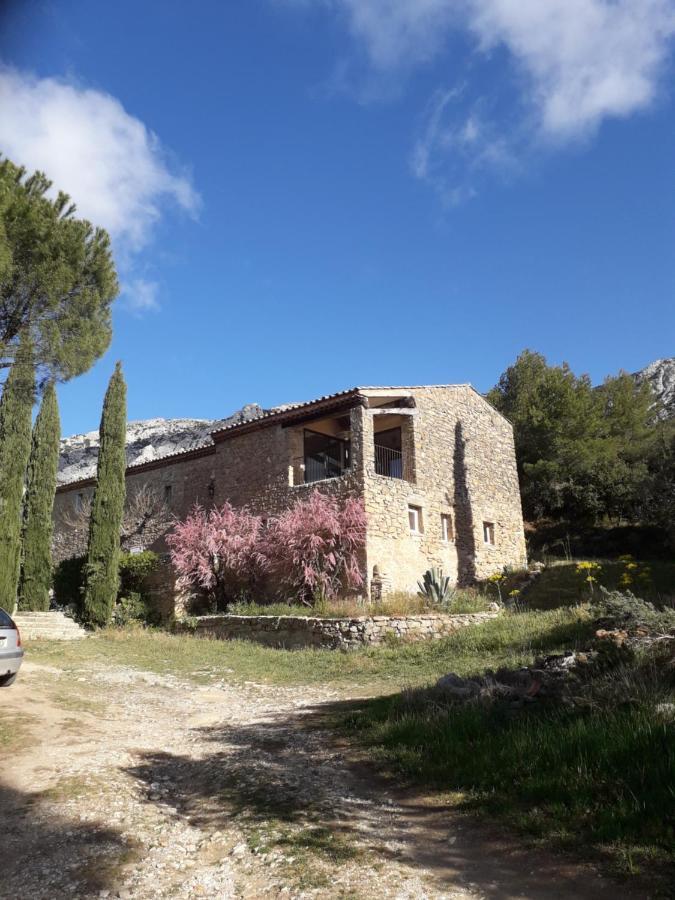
pixel 320 469
pixel 389 462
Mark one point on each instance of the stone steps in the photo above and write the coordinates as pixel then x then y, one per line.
pixel 52 626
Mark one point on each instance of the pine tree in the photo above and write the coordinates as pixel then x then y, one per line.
pixel 57 277
pixel 35 579
pixel 103 551
pixel 16 407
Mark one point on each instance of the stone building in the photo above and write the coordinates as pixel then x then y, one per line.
pixel 434 465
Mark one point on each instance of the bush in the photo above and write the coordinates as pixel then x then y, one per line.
pixel 626 610
pixel 68 583
pixel 314 548
pixel 218 553
pixel 68 580
pixel 312 551
pixel 134 569
pixel 131 609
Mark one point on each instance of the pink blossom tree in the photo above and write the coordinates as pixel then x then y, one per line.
pixel 217 552
pixel 314 549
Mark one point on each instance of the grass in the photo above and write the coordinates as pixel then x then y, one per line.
pixel 512 639
pixel 396 604
pixel 598 777
pixel 560 585
pixel 13 731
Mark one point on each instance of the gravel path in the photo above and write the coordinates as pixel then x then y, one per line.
pixel 133 785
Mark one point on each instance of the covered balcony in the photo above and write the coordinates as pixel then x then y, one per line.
pixel 393 444
pixel 371 431
pixel 321 449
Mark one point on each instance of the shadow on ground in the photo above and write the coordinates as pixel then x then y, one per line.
pixel 300 775
pixel 45 855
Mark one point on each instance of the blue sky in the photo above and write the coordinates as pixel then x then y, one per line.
pixel 305 195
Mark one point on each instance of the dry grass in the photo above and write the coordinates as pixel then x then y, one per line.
pixel 400 603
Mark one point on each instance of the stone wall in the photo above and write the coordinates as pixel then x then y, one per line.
pixel 297 632
pixel 464 467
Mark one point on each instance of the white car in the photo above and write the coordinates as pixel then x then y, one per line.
pixel 11 651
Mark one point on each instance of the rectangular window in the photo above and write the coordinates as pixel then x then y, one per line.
pixel 489 533
pixel 446 527
pixel 167 493
pixel 415 519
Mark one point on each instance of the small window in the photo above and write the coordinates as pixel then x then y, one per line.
pixel 446 527
pixel 167 493
pixel 212 488
pixel 79 502
pixel 415 519
pixel 489 533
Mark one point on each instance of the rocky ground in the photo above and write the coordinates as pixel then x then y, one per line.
pixel 122 783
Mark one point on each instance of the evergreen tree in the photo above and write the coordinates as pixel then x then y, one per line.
pixel 103 551
pixel 35 579
pixel 581 451
pixel 16 407
pixel 57 277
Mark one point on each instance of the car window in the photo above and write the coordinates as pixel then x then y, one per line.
pixel 5 620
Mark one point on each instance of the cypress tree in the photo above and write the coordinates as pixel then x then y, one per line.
pixel 38 505
pixel 16 407
pixel 103 551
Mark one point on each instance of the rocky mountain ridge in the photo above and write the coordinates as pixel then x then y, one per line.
pixel 147 439
pixel 661 376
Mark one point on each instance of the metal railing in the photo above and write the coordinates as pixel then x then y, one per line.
pixel 389 462
pixel 320 469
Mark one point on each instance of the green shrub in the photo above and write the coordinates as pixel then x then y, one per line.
pixel 132 609
pixel 627 610
pixel 135 568
pixel 68 583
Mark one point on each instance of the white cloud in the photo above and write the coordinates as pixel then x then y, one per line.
pixel 582 60
pixel 110 163
pixel 455 145
pixel 140 295
pixel 400 33
pixel 574 64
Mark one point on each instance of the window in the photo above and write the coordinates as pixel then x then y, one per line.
pixel 167 493
pixel 79 502
pixel 415 519
pixel 446 527
pixel 212 488
pixel 489 533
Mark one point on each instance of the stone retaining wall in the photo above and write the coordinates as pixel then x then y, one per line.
pixel 297 632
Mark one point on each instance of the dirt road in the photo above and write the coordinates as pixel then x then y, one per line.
pixel 128 784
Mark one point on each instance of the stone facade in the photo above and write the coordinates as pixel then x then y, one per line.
pixel 450 464
pixel 298 632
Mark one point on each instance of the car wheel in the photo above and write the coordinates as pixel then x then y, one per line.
pixel 6 680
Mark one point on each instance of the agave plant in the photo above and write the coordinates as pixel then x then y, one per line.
pixel 435 586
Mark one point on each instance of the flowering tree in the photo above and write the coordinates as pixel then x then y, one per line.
pixel 313 549
pixel 217 552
